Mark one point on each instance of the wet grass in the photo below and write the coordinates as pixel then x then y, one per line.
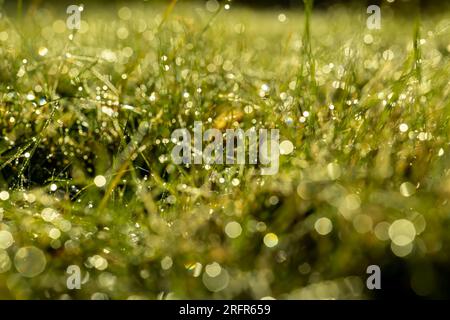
pixel 86 177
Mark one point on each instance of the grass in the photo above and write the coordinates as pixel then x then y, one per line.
pixel 367 111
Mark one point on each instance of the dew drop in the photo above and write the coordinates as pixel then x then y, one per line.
pixel 43 51
pixel 407 189
pixel 4 195
pixel 233 229
pixel 6 239
pixel 323 226
pixel 100 181
pixel 30 261
pixel 403 127
pixel 270 240
pixel 54 233
pixel 286 147
pixel 5 261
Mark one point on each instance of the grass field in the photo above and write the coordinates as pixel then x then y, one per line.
pixel 86 177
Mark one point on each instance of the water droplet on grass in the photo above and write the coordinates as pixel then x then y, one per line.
pixel 403 127
pixel 233 229
pixel 323 226
pixel 166 263
pixel 402 232
pixel 270 240
pixel 5 261
pixel 6 239
pixel 286 147
pixel 30 261
pixel 407 189
pixel 100 181
pixel 99 262
pixel 4 195
pixel 43 51
pixel 54 233
pixel 213 269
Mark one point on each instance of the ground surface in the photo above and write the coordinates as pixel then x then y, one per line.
pixel 86 176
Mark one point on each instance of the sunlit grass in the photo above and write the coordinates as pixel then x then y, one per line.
pixel 86 176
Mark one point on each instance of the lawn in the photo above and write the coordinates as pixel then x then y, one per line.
pixel 87 181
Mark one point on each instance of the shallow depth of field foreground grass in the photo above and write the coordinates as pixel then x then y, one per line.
pixel 86 176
